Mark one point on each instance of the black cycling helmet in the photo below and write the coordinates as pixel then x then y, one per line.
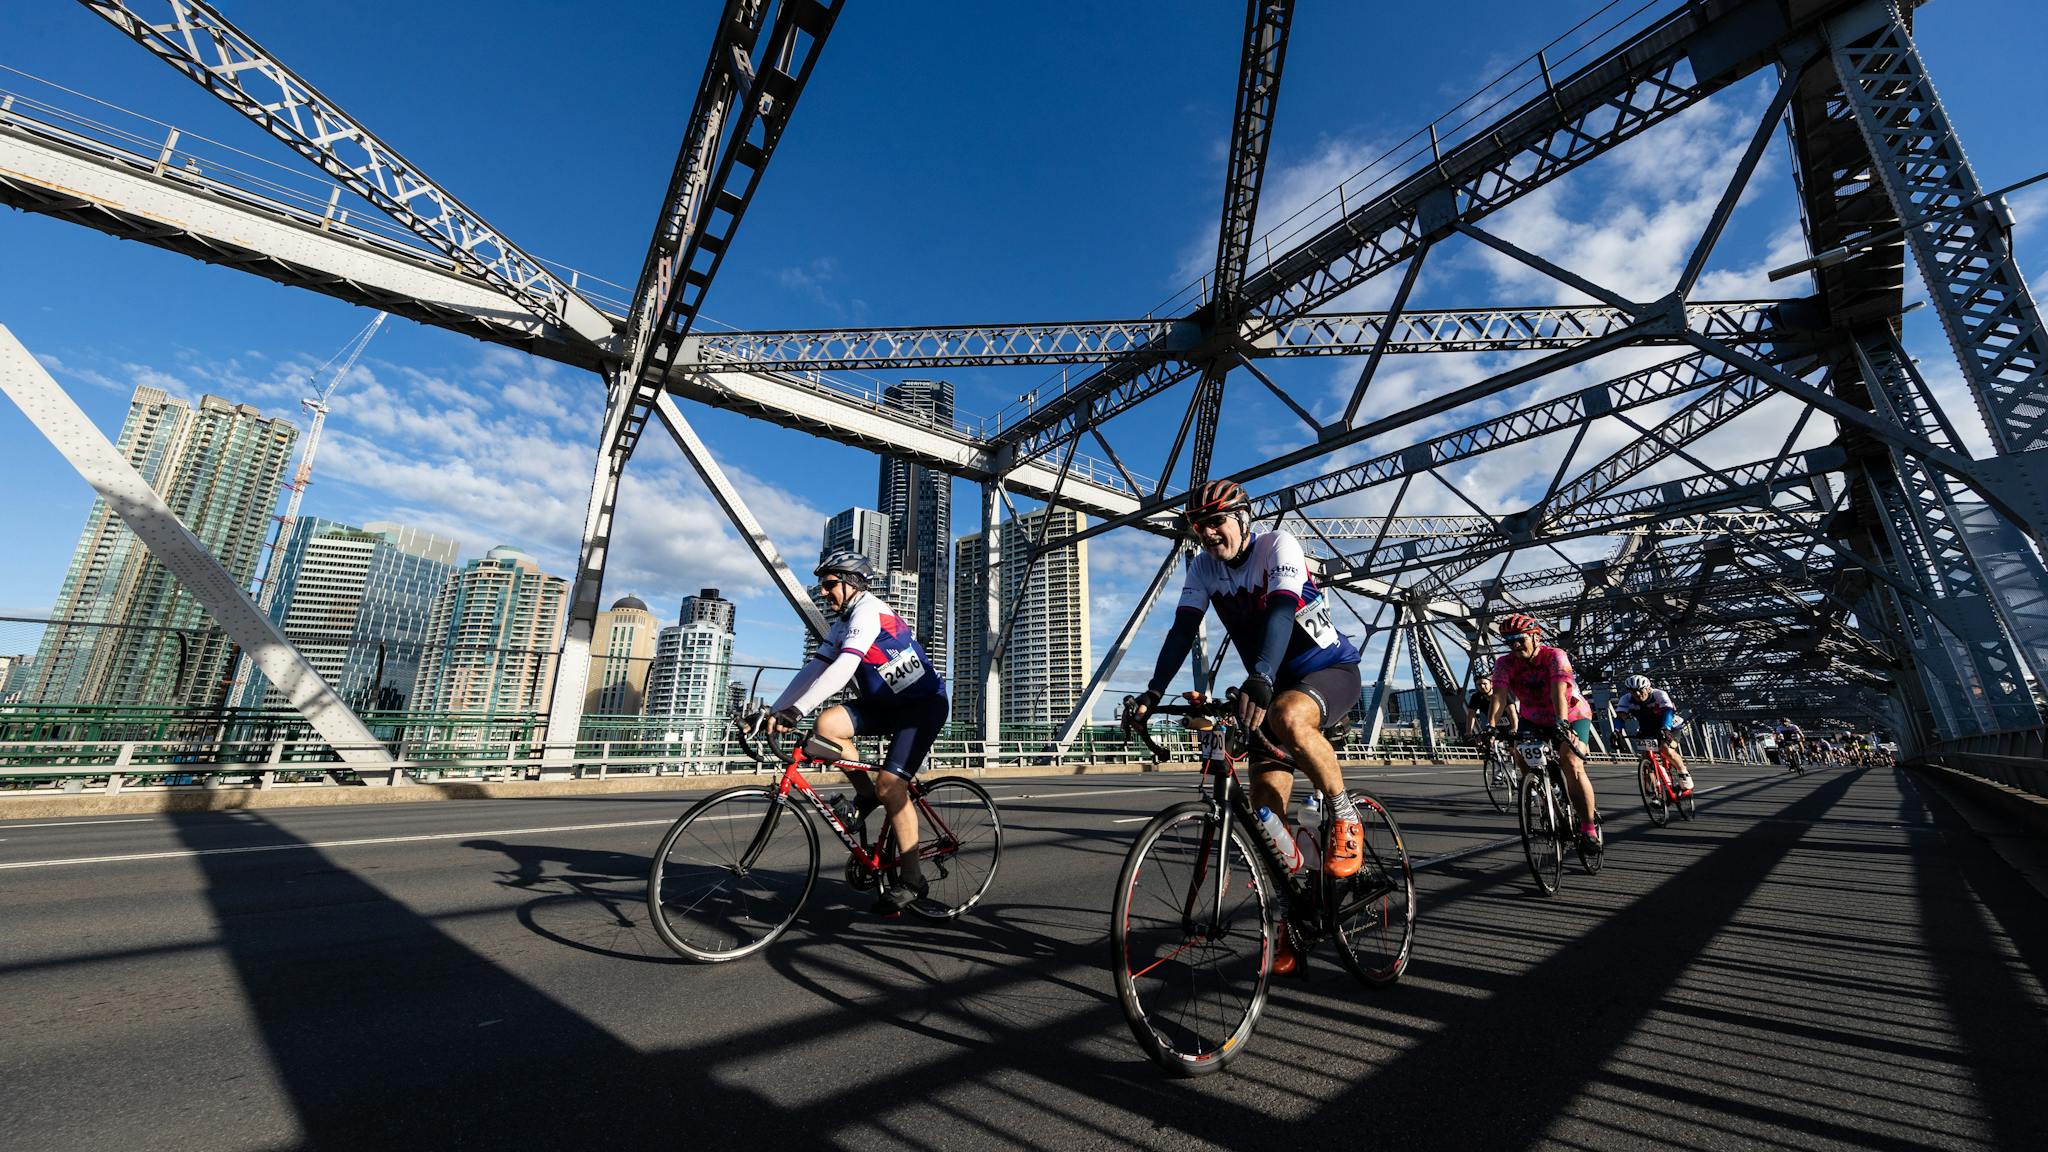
pixel 1216 498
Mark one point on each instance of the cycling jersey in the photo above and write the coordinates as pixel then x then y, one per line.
pixel 1529 681
pixel 1272 568
pixel 1654 713
pixel 893 664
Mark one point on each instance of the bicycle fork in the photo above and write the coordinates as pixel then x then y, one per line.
pixel 1216 836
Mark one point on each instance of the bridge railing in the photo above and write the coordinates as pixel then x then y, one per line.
pixel 2018 758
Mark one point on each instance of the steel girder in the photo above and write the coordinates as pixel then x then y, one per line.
pixel 930 348
pixel 200 43
pixel 1958 238
pixel 1669 67
pixel 1738 522
pixel 1646 386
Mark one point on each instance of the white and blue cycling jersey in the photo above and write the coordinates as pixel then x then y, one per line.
pixel 893 664
pixel 1652 714
pixel 1271 569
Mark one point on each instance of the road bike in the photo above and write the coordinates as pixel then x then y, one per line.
pixel 1203 891
pixel 734 871
pixel 1653 779
pixel 1794 761
pixel 1497 770
pixel 1549 822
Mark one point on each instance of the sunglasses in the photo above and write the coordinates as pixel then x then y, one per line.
pixel 1197 523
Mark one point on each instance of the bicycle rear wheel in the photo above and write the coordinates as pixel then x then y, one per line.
pixel 1500 783
pixel 1652 788
pixel 731 875
pixel 963 844
pixel 1541 843
pixel 1374 918
pixel 1191 980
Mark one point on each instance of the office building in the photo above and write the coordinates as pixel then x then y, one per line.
pixel 493 637
pixel 1047 662
pixel 621 658
pixel 219 468
pixel 356 603
pixel 693 667
pixel 919 504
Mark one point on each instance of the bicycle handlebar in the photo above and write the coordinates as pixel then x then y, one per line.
pixel 1222 711
pixel 751 724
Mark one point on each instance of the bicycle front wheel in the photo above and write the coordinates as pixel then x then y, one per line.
pixel 1541 842
pixel 1687 807
pixel 1500 783
pixel 962 844
pixel 1374 920
pixel 1654 800
pixel 1191 975
pixel 731 875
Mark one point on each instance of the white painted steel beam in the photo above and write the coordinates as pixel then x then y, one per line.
pixel 72 433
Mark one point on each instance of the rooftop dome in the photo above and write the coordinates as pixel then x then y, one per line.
pixel 632 602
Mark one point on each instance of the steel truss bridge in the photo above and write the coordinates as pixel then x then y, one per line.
pixel 1889 577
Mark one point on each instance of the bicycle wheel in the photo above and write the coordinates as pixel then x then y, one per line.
pixel 962 844
pixel 731 875
pixel 1500 783
pixel 1191 977
pixel 1541 843
pixel 1652 788
pixel 1374 920
pixel 1686 807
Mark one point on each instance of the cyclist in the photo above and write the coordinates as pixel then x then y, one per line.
pixel 1301 673
pixel 901 696
pixel 1655 715
pixel 1538 679
pixel 1791 743
pixel 1479 710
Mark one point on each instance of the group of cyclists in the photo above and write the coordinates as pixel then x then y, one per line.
pixel 1301 676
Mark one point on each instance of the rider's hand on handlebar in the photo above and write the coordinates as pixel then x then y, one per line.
pixel 783 720
pixel 1144 702
pixel 1253 698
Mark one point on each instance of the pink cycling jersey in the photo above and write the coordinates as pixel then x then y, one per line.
pixel 1530 681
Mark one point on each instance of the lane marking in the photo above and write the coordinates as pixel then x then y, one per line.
pixel 1097 792
pixel 359 842
pixel 81 823
pixel 1129 819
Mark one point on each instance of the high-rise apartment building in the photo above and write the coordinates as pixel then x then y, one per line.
pixel 1047 662
pixel 621 657
pixel 356 603
pixel 693 666
pixel 919 504
pixel 861 530
pixel 493 637
pixel 219 468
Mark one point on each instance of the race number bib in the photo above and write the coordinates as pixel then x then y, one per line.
pixel 903 670
pixel 1313 618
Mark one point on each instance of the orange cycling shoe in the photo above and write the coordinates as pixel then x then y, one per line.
pixel 1347 851
pixel 1285 958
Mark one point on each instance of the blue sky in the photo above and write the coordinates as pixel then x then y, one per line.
pixel 948 163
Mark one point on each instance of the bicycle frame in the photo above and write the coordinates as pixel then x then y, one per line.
pixel 1652 751
pixel 941 842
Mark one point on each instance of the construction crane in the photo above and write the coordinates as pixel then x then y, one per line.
pixel 316 404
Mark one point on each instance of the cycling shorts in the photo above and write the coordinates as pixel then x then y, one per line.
pixel 1335 690
pixel 911 726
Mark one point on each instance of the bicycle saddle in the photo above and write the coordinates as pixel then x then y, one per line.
pixel 825 748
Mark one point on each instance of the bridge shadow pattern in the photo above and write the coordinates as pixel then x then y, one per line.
pixel 1812 965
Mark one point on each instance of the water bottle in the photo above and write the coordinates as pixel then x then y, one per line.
pixel 842 807
pixel 1275 830
pixel 1307 837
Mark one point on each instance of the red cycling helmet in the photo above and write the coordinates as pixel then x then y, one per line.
pixel 1216 498
pixel 1519 623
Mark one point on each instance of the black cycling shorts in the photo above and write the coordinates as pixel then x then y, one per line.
pixel 910 725
pixel 1335 689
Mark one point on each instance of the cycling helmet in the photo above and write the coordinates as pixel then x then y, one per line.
pixel 1637 683
pixel 1215 498
pixel 848 565
pixel 1520 623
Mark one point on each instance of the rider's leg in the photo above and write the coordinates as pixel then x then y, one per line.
pixel 838 724
pixel 1296 723
pixel 1270 788
pixel 1682 776
pixel 1576 778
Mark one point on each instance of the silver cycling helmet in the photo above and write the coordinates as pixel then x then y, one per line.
pixel 847 564
pixel 1636 683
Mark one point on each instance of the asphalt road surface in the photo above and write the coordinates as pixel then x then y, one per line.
pixel 1826 961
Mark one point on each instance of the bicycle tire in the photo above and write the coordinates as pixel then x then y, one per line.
pixel 1541 844
pixel 1192 1017
pixel 1687 806
pixel 961 870
pixel 1499 778
pixel 706 901
pixel 1375 938
pixel 1652 788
